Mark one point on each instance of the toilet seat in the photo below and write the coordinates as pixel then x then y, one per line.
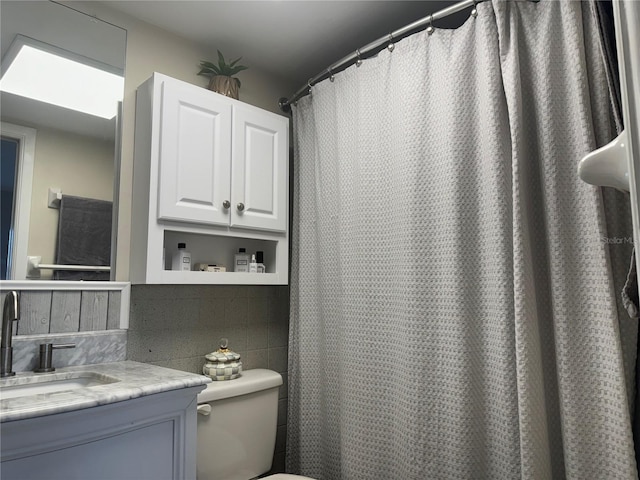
pixel 286 476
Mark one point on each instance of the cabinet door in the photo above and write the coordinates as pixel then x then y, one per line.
pixel 144 453
pixel 260 169
pixel 195 155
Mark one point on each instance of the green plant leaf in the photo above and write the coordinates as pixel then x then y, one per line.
pixel 209 72
pixel 237 69
pixel 208 69
pixel 221 61
pixel 222 68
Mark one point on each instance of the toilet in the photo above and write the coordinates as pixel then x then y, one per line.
pixel 237 422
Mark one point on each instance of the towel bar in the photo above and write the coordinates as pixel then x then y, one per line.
pixel 34 266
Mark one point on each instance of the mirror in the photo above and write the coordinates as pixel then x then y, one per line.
pixel 59 149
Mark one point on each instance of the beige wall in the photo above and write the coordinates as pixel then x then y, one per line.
pixel 151 49
pixel 78 165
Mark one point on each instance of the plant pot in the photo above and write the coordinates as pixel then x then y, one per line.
pixel 224 85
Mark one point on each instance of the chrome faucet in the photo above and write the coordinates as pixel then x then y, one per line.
pixel 10 314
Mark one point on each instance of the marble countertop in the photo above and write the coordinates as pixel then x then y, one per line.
pixel 134 380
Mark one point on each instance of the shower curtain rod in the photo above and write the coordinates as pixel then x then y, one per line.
pixel 374 47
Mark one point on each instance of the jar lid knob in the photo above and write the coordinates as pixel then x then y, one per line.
pixel 224 343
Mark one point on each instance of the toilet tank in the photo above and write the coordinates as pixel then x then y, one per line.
pixel 237 438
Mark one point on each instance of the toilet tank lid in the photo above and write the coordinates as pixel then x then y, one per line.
pixel 249 382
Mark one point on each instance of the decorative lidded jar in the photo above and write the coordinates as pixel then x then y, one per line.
pixel 223 364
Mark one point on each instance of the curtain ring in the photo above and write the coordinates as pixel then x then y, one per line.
pixel 391 46
pixel 359 60
pixel 474 11
pixel 332 78
pixel 430 28
pixel 309 85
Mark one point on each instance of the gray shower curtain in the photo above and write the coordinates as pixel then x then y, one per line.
pixel 453 307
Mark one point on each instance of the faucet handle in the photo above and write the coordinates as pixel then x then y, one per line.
pixel 46 355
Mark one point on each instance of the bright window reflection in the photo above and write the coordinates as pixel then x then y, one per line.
pixel 53 79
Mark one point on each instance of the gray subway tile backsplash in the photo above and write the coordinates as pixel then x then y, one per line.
pixel 260 309
pixel 175 326
pixel 282 411
pixel 285 385
pixel 256 359
pixel 281 439
pixel 236 311
pixel 257 335
pixel 191 364
pixel 278 334
pixel 278 359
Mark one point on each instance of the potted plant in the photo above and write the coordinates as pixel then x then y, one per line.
pixel 221 76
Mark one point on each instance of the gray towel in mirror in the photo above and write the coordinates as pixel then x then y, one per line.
pixel 84 237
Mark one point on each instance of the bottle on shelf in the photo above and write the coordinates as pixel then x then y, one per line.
pixel 241 261
pixel 260 260
pixel 253 265
pixel 181 259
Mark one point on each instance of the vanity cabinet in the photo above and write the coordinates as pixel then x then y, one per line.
pixel 152 437
pixel 211 172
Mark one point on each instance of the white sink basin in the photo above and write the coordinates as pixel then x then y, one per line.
pixel 50 383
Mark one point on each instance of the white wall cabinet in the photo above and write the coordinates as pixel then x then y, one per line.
pixel 211 172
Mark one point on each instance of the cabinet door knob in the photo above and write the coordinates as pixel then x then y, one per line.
pixel 226 204
pixel 240 207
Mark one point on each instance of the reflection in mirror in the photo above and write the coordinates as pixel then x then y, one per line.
pixel 62 81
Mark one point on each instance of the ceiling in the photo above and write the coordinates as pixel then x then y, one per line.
pixel 290 39
pixel 60 27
